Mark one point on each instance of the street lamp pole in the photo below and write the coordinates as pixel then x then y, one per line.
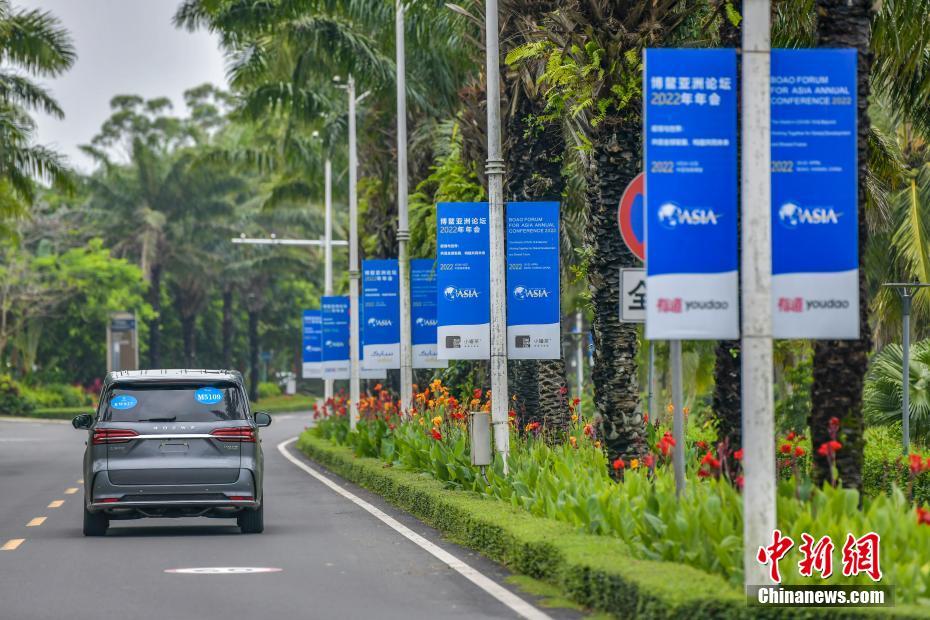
pixel 328 253
pixel 500 400
pixel 354 385
pixel 906 291
pixel 403 227
pixel 756 292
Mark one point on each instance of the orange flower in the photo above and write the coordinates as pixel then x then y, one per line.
pixel 573 441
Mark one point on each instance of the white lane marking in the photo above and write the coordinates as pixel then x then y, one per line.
pixel 223 570
pixel 502 594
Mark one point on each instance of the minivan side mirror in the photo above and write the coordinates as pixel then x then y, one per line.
pixel 262 419
pixel 83 421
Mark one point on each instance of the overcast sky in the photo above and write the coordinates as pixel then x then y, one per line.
pixel 124 47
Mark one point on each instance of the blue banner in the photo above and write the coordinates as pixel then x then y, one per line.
pixel 463 281
pixel 533 288
pixel 423 313
pixel 815 240
pixel 363 371
pixel 381 308
pixel 312 345
pixel 690 163
pixel 335 311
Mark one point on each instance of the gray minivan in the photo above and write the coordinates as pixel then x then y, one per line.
pixel 173 443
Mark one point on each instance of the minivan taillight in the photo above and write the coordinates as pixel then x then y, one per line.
pixel 112 435
pixel 242 434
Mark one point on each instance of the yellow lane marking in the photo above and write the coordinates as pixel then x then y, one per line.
pixel 81 481
pixel 36 522
pixel 57 503
pixel 71 490
pixel 12 544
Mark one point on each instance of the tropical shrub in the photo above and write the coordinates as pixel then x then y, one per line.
pixel 12 401
pixel 635 501
pixel 884 388
pixel 55 395
pixel 267 389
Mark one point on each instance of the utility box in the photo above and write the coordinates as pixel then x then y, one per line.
pixel 122 342
pixel 479 433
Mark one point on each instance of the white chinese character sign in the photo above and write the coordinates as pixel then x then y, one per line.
pixel 690 146
pixel 632 295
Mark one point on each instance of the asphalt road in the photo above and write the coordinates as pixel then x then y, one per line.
pixel 337 560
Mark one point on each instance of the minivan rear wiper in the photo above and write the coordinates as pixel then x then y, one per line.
pixel 171 419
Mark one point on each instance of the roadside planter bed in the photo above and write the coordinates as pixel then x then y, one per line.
pixel 629 547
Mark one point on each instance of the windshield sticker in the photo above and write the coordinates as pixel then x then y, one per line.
pixel 208 396
pixel 123 402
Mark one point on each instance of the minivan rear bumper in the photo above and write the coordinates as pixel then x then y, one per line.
pixel 115 498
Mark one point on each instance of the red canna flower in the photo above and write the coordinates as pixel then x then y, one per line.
pixel 738 455
pixel 739 482
pixel 619 464
pixel 785 448
pixel 798 451
pixel 436 434
pixel 476 393
pixel 923 516
pixel 702 445
pixel 649 461
pixel 916 464
pixel 829 448
pixel 575 401
pixel 791 435
pixel 563 390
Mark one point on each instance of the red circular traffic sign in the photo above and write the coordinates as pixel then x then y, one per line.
pixel 631 216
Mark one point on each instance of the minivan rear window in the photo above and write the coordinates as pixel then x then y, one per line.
pixel 182 402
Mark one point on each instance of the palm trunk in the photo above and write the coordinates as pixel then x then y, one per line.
pixel 728 354
pixel 534 172
pixel 840 365
pixel 617 159
pixel 155 323
pixel 227 327
pixel 253 355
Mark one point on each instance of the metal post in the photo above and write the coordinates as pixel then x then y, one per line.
pixel 906 297
pixel 678 418
pixel 651 379
pixel 756 280
pixel 500 400
pixel 403 228
pixel 579 359
pixel 354 386
pixel 328 254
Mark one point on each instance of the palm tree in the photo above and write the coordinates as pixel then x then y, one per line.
pixel 32 42
pixel 883 388
pixel 592 51
pixel 840 365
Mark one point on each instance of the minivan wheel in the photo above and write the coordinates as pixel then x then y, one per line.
pixel 252 521
pixel 95 523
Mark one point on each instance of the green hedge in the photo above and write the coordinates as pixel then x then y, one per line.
pixel 595 571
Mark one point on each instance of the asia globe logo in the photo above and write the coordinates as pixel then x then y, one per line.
pixel 453 293
pixel 522 293
pixel 373 322
pixel 671 216
pixel 424 322
pixel 334 344
pixel 791 215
